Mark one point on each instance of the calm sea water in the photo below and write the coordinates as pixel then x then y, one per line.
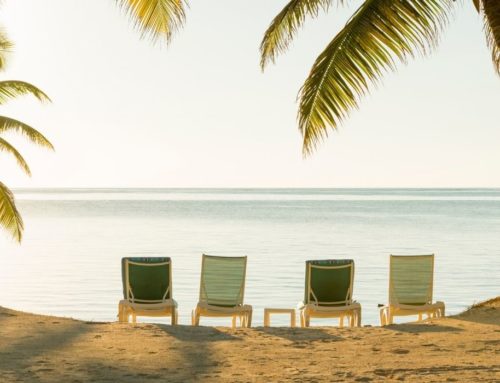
pixel 69 261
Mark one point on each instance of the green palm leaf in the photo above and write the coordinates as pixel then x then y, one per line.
pixel 476 4
pixel 12 89
pixel 5 48
pixel 155 18
pixel 380 33
pixel 10 218
pixel 491 9
pixel 8 124
pixel 286 24
pixel 7 147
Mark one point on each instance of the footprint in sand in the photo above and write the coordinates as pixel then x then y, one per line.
pixel 400 351
pixel 44 369
pixel 363 379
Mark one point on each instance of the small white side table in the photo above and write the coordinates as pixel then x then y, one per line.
pixel 268 311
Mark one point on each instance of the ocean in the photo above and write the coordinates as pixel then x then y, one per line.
pixel 69 261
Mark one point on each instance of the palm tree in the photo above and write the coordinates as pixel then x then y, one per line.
pixel 10 219
pixel 379 34
pixel 155 19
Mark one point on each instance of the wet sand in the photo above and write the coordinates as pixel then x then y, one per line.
pixel 463 348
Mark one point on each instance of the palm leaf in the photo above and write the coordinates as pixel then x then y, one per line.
pixel 491 9
pixel 285 25
pixel 476 5
pixel 8 124
pixel 10 218
pixel 5 48
pixel 7 147
pixel 155 18
pixel 12 89
pixel 380 33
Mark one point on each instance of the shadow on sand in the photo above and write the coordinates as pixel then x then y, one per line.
pixel 417 328
pixel 27 355
pixel 299 335
pixel 198 334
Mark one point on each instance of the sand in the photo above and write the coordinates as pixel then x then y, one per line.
pixel 464 348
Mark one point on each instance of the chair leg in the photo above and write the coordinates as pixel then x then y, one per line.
pixel 341 321
pixel 390 316
pixel 134 318
pixel 127 315
pixel 120 313
pixel 195 317
pixel 301 316
pixel 233 321
pixel 173 316
pixel 382 317
pixel 249 319
pixel 358 317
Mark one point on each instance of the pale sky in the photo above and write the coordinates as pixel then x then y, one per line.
pixel 199 113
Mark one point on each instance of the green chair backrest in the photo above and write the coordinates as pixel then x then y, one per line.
pixel 329 282
pixel 411 279
pixel 147 280
pixel 222 281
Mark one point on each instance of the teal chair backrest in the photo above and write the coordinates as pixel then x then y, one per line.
pixel 222 281
pixel 411 279
pixel 147 279
pixel 329 282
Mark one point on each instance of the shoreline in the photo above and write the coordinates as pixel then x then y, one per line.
pixel 38 348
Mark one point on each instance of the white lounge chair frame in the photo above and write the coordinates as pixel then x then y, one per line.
pixel 395 308
pixel 237 311
pixel 350 309
pixel 147 308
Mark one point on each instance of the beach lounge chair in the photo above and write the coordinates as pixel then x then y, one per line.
pixel 222 287
pixel 147 289
pixel 328 292
pixel 410 288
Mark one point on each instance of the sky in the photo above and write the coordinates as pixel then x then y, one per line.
pixel 200 113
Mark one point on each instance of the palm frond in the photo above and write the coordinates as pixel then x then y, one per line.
pixel 8 124
pixel 155 18
pixel 7 147
pixel 285 25
pixel 378 35
pixel 491 9
pixel 5 49
pixel 12 89
pixel 10 219
pixel 476 5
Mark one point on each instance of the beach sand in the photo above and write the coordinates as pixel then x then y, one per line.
pixel 463 348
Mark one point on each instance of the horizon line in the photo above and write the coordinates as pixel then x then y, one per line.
pixel 247 187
